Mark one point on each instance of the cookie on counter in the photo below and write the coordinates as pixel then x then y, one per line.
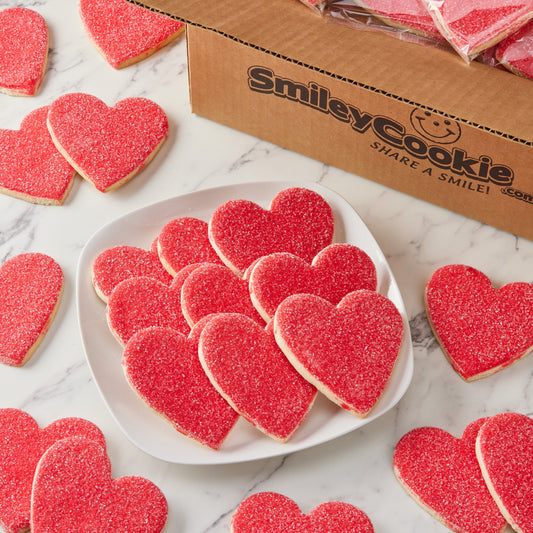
pixel 125 33
pixel 73 486
pixel 31 286
pixel 481 329
pixel 22 443
pixel 441 473
pixel 23 51
pixel 107 146
pixel 271 512
pixel 31 167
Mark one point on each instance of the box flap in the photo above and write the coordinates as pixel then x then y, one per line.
pixel 486 97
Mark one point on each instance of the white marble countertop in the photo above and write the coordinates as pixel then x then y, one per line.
pixel 415 236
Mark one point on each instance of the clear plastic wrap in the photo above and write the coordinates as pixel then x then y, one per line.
pixel 316 5
pixel 409 21
pixel 472 26
pixel 516 51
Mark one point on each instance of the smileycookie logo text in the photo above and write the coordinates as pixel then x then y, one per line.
pixel 430 142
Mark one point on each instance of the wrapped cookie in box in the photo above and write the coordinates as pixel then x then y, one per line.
pixel 415 118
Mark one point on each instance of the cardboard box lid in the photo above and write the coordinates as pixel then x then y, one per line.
pixel 485 97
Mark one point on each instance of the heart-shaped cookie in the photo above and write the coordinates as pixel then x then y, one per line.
pixel 245 365
pixel 270 512
pixel 31 286
pixel 481 329
pixel 504 449
pixel 299 221
pixel 125 33
pixel 23 51
pixel 210 289
pixel 441 473
pixel 476 26
pixel 163 367
pixel 107 145
pixel 184 241
pixel 31 168
pixel 139 303
pixel 411 15
pixel 347 351
pixel 22 443
pixel 335 271
pixel 73 487
pixel 124 262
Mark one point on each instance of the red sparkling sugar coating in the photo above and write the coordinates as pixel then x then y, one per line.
pixel 299 221
pixel 125 33
pixel 211 288
pixel 516 51
pixel 124 262
pixel 246 366
pixel 348 352
pixel 22 443
pixel 407 14
pixel 184 241
pixel 139 303
pixel 23 51
pixel 476 25
pixel 162 366
pixel 107 145
pixel 73 489
pixel 335 271
pixel 481 329
pixel 270 512
pixel 441 473
pixel 30 291
pixel 31 168
pixel 504 449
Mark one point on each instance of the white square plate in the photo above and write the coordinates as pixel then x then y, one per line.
pixel 150 432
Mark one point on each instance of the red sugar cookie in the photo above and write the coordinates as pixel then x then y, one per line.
pixel 107 145
pixel 73 488
pixel 30 286
pixel 124 262
pixel 410 15
pixel 125 33
pixel 476 25
pixel 162 366
pixel 348 352
pixel 31 168
pixel 299 221
pixel 481 329
pixel 211 288
pixel 270 512
pixel 184 241
pixel 139 303
pixel 335 271
pixel 23 51
pixel 504 449
pixel 245 365
pixel 22 443
pixel 441 473
pixel 516 51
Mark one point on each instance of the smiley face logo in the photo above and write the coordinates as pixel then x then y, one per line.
pixel 434 127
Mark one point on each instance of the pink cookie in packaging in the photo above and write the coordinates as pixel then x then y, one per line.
pixel 516 51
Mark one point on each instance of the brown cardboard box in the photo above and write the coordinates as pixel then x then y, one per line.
pixel 411 117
